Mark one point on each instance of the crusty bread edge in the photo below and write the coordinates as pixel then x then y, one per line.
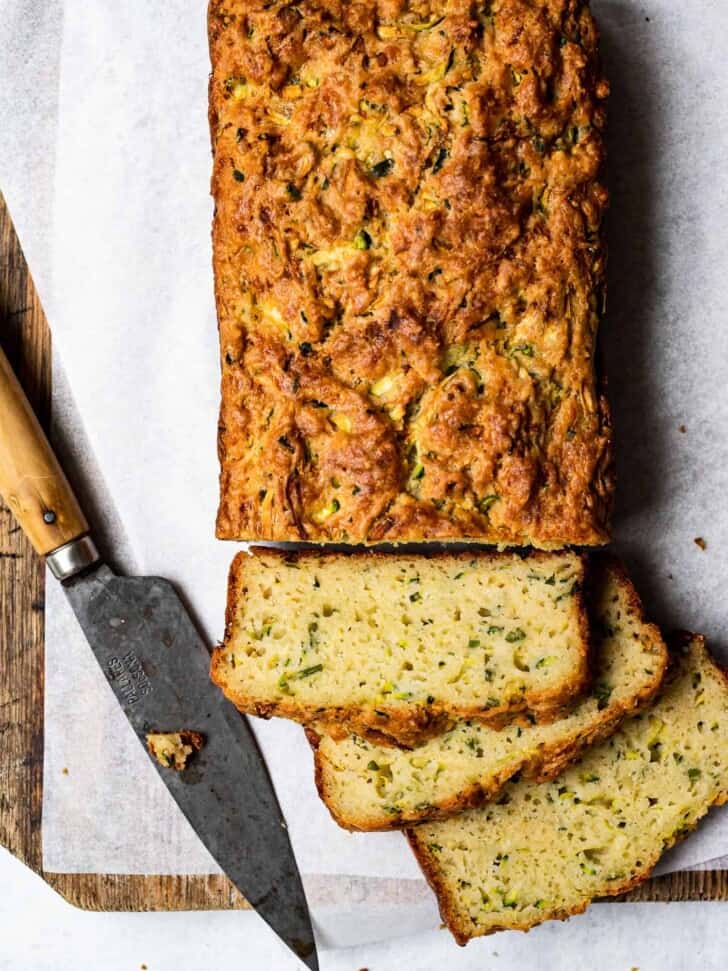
pixel 448 911
pixel 214 30
pixel 399 725
pixel 469 798
pixel 550 761
pixel 557 758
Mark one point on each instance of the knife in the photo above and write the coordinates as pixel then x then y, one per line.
pixel 158 667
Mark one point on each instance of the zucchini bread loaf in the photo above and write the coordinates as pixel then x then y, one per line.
pixel 400 646
pixel 368 786
pixel 545 851
pixel 409 271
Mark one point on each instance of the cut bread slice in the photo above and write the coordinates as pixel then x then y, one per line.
pixel 545 851
pixel 403 645
pixel 371 787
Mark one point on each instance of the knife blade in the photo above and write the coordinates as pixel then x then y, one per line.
pixel 157 665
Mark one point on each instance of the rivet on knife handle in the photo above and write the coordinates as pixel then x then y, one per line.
pixel 34 486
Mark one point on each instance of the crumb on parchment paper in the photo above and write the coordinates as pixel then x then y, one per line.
pixel 699 541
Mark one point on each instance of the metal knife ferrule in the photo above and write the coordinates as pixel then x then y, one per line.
pixel 72 558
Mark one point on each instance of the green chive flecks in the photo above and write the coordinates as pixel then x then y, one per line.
pixel 307 672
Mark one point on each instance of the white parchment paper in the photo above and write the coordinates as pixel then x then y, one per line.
pixel 127 284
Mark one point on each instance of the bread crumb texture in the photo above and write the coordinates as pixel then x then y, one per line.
pixel 368 786
pixel 402 645
pixel 409 271
pixel 546 850
pixel 174 749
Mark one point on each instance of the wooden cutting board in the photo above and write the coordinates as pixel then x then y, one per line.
pixel 25 338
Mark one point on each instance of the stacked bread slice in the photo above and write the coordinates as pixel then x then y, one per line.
pixel 516 714
pixel 546 850
pixel 370 787
pixel 398 647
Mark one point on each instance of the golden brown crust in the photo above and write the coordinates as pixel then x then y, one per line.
pixel 550 761
pixel 402 725
pixel 448 910
pixel 409 271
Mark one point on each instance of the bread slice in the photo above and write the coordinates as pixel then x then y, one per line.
pixel 402 645
pixel 546 850
pixel 370 787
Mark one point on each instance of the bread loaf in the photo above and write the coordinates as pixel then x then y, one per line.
pixel 403 645
pixel 409 271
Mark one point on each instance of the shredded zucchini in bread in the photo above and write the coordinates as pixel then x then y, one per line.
pixel 403 645
pixel 546 850
pixel 370 787
pixel 409 271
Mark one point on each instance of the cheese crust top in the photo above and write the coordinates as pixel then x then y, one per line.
pixel 409 271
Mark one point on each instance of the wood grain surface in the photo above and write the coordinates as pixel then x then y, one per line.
pixel 25 338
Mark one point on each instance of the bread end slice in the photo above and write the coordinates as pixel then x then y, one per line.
pixel 546 850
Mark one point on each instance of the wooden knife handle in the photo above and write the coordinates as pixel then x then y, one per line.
pixel 32 482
